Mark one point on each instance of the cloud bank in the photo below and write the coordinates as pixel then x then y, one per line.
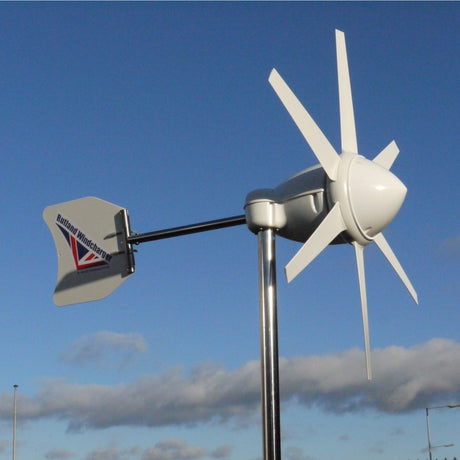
pixel 405 379
pixel 59 454
pixel 168 449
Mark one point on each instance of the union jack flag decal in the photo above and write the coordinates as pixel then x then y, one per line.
pixel 83 256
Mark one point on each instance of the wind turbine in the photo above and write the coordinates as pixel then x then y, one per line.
pixel 346 198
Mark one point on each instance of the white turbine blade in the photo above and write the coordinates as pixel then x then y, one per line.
pixel 389 254
pixel 347 117
pixel 387 156
pixel 330 227
pixel 359 252
pixel 317 141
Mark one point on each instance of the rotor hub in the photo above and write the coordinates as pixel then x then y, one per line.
pixel 370 196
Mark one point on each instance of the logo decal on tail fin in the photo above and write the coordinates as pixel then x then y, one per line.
pixel 86 253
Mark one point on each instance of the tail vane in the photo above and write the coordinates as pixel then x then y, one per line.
pixel 93 257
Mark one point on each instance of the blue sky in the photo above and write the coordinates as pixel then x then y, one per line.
pixel 165 109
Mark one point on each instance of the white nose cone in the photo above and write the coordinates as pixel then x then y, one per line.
pixel 375 194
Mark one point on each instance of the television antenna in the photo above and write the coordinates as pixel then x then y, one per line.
pixel 346 198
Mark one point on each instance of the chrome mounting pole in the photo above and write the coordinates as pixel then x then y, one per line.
pixel 269 345
pixel 268 314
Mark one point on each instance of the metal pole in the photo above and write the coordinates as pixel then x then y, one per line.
pixel 187 229
pixel 428 432
pixel 14 421
pixel 269 346
pixel 430 447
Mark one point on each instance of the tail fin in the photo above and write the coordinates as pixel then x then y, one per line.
pixel 94 257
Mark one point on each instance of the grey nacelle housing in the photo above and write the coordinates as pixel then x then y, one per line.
pixel 295 208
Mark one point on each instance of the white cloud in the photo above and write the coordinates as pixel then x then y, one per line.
pixel 169 449
pixel 222 451
pixel 105 348
pixel 113 453
pixel 103 453
pixel 59 454
pixel 405 379
pixel 397 431
pixel 173 449
pixel 295 453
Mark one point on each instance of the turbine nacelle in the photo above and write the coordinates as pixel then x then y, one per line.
pixel 346 198
pixel 369 195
